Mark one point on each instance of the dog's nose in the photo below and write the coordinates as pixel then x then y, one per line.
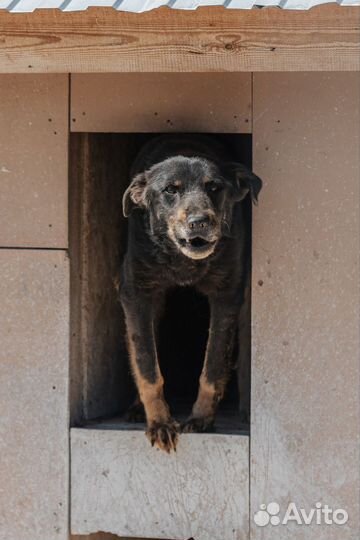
pixel 198 221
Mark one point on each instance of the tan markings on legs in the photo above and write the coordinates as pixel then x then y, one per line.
pixel 161 431
pixel 207 399
pixel 203 412
pixel 151 394
pixel 209 395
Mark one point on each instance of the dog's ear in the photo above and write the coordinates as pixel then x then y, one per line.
pixel 134 195
pixel 244 181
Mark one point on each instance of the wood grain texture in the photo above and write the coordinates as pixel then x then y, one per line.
pixel 34 375
pixel 161 102
pixel 305 306
pixel 101 381
pixel 34 137
pixel 122 485
pixel 208 39
pixel 105 536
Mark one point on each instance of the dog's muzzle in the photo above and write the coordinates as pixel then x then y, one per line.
pixel 198 237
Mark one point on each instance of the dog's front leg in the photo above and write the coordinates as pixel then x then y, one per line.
pixel 214 376
pixel 162 431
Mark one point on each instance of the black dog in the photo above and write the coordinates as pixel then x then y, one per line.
pixel 186 228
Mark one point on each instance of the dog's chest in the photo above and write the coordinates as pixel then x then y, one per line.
pixel 185 274
pixel 206 277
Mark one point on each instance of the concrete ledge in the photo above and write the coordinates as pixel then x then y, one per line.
pixel 119 484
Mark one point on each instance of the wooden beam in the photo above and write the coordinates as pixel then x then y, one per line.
pixel 325 38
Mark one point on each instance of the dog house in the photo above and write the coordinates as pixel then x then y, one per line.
pixel 80 91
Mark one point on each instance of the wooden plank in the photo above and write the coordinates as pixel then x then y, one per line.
pixel 34 335
pixel 164 40
pixel 101 383
pixel 104 536
pixel 194 102
pixel 305 363
pixel 33 160
pixel 120 484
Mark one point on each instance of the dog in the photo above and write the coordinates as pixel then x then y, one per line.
pixel 186 228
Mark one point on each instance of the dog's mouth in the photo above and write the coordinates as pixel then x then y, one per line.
pixel 197 242
pixel 196 247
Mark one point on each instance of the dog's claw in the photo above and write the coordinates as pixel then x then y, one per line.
pixel 164 435
pixel 198 425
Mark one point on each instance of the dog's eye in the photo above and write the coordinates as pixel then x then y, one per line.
pixel 213 187
pixel 171 189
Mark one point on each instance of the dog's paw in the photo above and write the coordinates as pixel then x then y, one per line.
pixel 198 425
pixel 164 435
pixel 136 414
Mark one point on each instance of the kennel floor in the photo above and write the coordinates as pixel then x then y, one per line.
pixel 120 484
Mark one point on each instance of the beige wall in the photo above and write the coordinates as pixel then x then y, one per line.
pixel 305 394
pixel 305 361
pixel 33 161
pixel 161 102
pixel 34 328
pixel 34 314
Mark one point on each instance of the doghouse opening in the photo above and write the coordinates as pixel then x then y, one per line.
pixel 101 383
pixel 183 337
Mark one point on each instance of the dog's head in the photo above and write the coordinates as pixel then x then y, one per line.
pixel 190 200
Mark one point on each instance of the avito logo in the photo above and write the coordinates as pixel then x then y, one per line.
pixel 321 514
